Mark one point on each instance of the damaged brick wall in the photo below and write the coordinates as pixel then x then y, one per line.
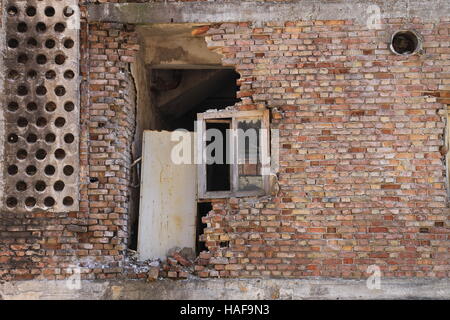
pixel 362 181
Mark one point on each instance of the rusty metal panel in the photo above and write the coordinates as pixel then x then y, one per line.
pixel 41 105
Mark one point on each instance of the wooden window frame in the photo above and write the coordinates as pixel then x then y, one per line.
pixel 235 116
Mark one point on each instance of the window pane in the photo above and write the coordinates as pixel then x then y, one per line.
pixel 218 176
pixel 249 158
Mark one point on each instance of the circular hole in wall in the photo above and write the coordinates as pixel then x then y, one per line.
pixel 13 43
pixel 69 138
pixel 21 186
pixel 69 106
pixel 68 170
pixel 22 154
pixel 13 138
pixel 32 106
pixel 32 42
pixel 50 43
pixel 41 27
pixel 59 186
pixel 68 201
pixel 13 106
pixel 50 107
pixel 31 170
pixel 49 11
pixel 41 59
pixel 22 122
pixel 40 186
pixel 22 58
pixel 22 90
pixel 41 154
pixel 50 138
pixel 31 11
pixel 68 11
pixel 49 202
pixel 60 122
pixel 12 11
pixel 11 202
pixel 49 170
pixel 32 75
pixel 22 27
pixel 69 43
pixel 32 138
pixel 69 74
pixel 60 59
pixel 41 91
pixel 30 202
pixel 13 170
pixel 405 42
pixel 60 27
pixel 41 122
pixel 60 91
pixel 50 75
pixel 13 75
pixel 60 154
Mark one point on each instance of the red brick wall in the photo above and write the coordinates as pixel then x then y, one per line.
pixel 362 180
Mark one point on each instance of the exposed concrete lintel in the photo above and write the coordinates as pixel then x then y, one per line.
pixel 244 11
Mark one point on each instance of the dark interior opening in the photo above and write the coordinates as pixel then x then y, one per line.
pixel 203 208
pixel 405 42
pixel 176 96
pixel 218 176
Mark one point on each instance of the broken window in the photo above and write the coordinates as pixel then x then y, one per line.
pixel 234 153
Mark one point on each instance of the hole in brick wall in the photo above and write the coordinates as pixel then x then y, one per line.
pixel 68 12
pixel 60 91
pixel 49 11
pixel 13 138
pixel 41 59
pixel 93 180
pixel 68 201
pixel 60 27
pixel 50 138
pixel 32 138
pixel 22 90
pixel 41 154
pixel 22 58
pixel 69 106
pixel 21 186
pixel 40 186
pixel 224 244
pixel 41 91
pixel 13 43
pixel 30 202
pixel 31 170
pixel 12 11
pixel 13 170
pixel 60 154
pixel 405 42
pixel 50 43
pixel 22 154
pixel 32 42
pixel 22 122
pixel 69 74
pixel 11 202
pixel 69 43
pixel 13 106
pixel 31 11
pixel 22 27
pixel 60 122
pixel 69 138
pixel 50 170
pixel 60 59
pixel 41 27
pixel 41 122
pixel 69 170
pixel 49 202
pixel 50 75
pixel 32 75
pixel 59 186
pixel 50 107
pixel 13 75
pixel 32 106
